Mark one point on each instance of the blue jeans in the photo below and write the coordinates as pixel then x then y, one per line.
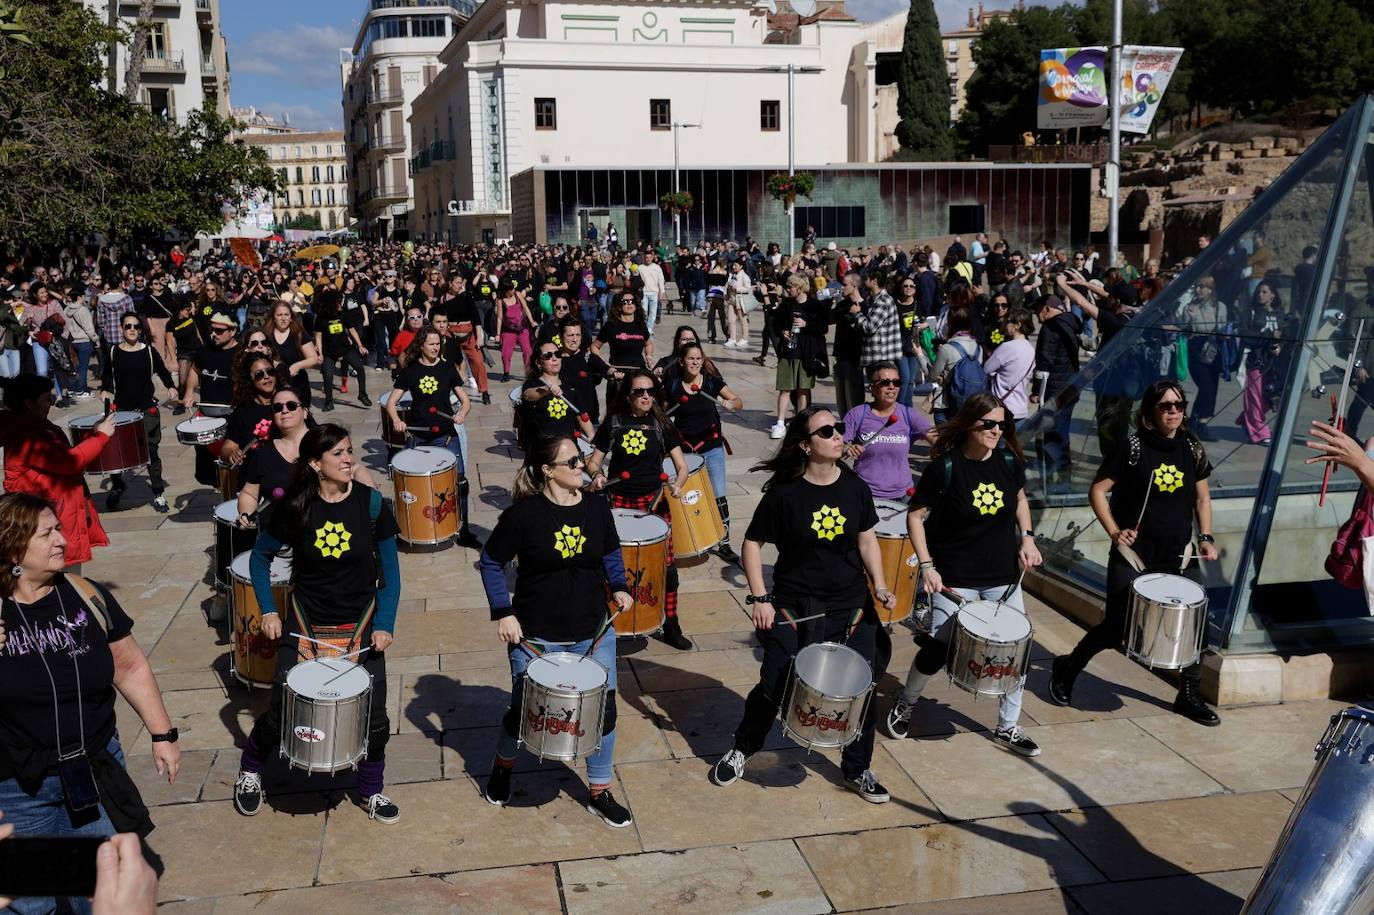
pixel 650 310
pixel 9 363
pixel 698 300
pixel 908 370
pixel 1055 451
pixel 457 445
pixel 603 304
pixel 46 814
pixel 83 366
pixel 242 314
pixel 43 366
pixel 599 763
pixel 587 311
pixel 715 469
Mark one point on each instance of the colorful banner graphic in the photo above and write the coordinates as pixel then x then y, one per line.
pixel 1145 74
pixel 1073 88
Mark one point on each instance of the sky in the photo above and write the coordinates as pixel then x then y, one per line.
pixel 284 54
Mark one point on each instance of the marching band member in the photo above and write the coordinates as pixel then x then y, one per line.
pixel 1163 458
pixel 637 437
pixel 820 516
pixel 127 384
pixel 338 337
pixel 338 531
pixel 466 322
pixel 582 372
pixel 211 382
pixel 567 555
pixel 970 525
pixel 251 419
pixel 693 391
pixel 626 337
pixel 880 434
pixel 432 382
pixel 547 409
pixel 296 348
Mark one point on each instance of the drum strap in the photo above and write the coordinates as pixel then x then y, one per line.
pixel 342 638
pixel 91 598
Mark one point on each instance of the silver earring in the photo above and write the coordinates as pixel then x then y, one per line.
pixel 16 570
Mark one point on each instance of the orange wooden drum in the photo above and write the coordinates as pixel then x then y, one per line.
pixel 228 475
pixel 697 526
pixel 644 549
pixel 254 658
pixel 426 485
pixel 899 560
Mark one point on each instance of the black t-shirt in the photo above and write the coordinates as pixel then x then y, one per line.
pixel 26 695
pixel 460 308
pixel 581 373
pixel 216 368
pixel 638 446
pixel 130 376
pixel 626 340
pixel 695 414
pixel 560 586
pixel 550 416
pixel 248 423
pixel 266 467
pixel 333 331
pixel 430 386
pixel 1170 469
pixel 971 528
pixel 816 530
pixel 1110 323
pixel 186 332
pixel 160 306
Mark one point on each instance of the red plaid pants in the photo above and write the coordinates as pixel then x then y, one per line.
pixel 645 503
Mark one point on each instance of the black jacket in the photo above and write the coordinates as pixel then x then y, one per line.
pixel 1056 351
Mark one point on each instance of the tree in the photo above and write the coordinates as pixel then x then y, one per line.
pixel 138 49
pixel 305 221
pixel 923 86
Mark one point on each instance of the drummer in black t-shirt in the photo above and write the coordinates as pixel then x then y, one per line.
pixel 693 391
pixel 342 537
pixel 546 410
pixel 1157 481
pixel 820 516
pixel 432 382
pixel 251 419
pixel 581 372
pixel 567 555
pixel 187 338
pixel 465 330
pixel 127 384
pixel 970 525
pixel 626 337
pixel 211 382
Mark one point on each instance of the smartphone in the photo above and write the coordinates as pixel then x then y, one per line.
pixel 48 866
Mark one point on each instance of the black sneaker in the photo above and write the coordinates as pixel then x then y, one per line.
pixel 1013 739
pixel 381 808
pixel 160 503
pixel 497 791
pixel 868 788
pixel 725 552
pixel 248 793
pixel 327 406
pixel 1061 691
pixel 1191 706
pixel 605 806
pixel 467 538
pixel 365 400
pixel 897 724
pixel 728 769
pixel 486 397
pixel 672 635
pixel 112 499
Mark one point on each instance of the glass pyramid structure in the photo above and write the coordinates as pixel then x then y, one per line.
pixel 1256 377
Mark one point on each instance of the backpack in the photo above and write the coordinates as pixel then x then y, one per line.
pixel 91 599
pixel 966 377
pixel 1350 550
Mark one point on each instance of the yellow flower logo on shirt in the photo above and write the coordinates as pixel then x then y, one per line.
pixel 429 384
pixel 557 340
pixel 332 539
pixel 996 336
pixel 633 442
pixel 1168 478
pixel 987 498
pixel 569 541
pixel 828 523
pixel 336 327
pixel 557 408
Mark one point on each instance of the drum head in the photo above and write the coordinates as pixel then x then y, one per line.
pixel 834 669
pixel 694 463
pixel 567 671
pixel 891 519
pixel 516 395
pixel 281 568
pixel 423 462
pixel 121 417
pixel 227 512
pixel 994 622
pixel 199 424
pixel 1163 588
pixel 635 527
pixel 328 679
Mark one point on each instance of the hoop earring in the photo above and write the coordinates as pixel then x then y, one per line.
pixel 16 570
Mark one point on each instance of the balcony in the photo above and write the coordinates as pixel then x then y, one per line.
pixel 170 63
pixel 419 163
pixel 157 4
pixel 383 193
pixel 207 67
pixel 203 10
pixel 389 142
pixel 441 151
pixel 384 98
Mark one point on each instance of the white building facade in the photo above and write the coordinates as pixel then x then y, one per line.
pixel 566 83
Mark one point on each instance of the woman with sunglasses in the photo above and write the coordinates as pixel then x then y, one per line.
pixel 821 517
pixel 625 337
pixel 251 419
pixel 694 391
pixel 970 524
pixel 637 437
pixel 268 470
pixel 547 408
pixel 411 323
pixel 909 320
pixel 127 384
pixel 567 556
pixel 880 435
pixel 551 327
pixel 286 334
pixel 1163 458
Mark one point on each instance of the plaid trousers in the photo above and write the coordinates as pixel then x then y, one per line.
pixel 645 503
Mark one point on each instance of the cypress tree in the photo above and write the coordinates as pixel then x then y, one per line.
pixel 923 86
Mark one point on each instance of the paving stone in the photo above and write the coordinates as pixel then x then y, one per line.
pixel 1212 894
pixel 1040 902
pixel 697 670
pixel 195 768
pixel 702 722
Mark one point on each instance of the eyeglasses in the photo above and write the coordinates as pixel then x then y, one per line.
pixel 260 374
pixel 131 327
pixel 988 425
pixel 829 430
pixel 886 382
pixel 287 406
pixel 571 463
pixel 627 301
pixel 551 354
pixel 1172 406
pixel 642 392
pixel 221 330
pixel 908 285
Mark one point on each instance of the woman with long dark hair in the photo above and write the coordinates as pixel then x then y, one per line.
pixel 342 537
pixel 338 337
pixel 626 337
pixel 1267 333
pixel 1146 496
pixel 567 556
pixel 545 410
pixel 970 524
pixel 695 390
pixel 297 351
pixel 251 418
pixel 820 516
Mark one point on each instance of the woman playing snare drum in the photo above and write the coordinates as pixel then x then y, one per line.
pixel 821 517
pixel 970 525
pixel 337 530
pixel 567 553
pixel 1163 458
pixel 693 392
pixel 546 410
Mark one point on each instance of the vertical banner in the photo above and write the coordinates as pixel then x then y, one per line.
pixel 1145 74
pixel 245 254
pixel 1073 88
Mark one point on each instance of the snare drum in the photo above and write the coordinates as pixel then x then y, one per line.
pixel 426 486
pixel 393 438
pixel 697 526
pixel 899 560
pixel 126 449
pixel 326 711
pixel 228 476
pixel 990 651
pixel 644 549
pixel 201 430
pixel 1167 622
pixel 254 659
pixel 563 705
pixel 830 689
pixel 230 540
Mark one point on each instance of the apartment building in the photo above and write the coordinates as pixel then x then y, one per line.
pixel 314 168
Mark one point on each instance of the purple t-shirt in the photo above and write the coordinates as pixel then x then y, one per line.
pixel 884 464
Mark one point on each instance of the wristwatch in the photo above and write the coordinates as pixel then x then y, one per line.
pixel 169 737
pixel 1206 538
pixel 1030 534
pixel 761 599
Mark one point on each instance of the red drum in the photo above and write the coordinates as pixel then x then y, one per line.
pixel 126 449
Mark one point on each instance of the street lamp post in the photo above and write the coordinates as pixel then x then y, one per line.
pixel 677 216
pixel 1114 141
pixel 792 70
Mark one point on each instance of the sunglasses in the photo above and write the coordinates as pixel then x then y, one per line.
pixel 415 317
pixel 551 354
pixel 829 430
pixel 1172 406
pixel 289 406
pixel 642 392
pixel 627 301
pixel 571 463
pixel 131 327
pixel 253 343
pixel 221 330
pixel 988 425
pixel 887 383
pixel 260 374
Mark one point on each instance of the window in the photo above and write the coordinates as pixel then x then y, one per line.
pixel 660 114
pixel 329 174
pixel 285 176
pixel 428 27
pixel 300 175
pixel 314 174
pixel 329 149
pixel 545 114
pixel 300 198
pixel 770 114
pixel 296 151
pixel 160 103
pixel 315 197
pixel 268 150
pixel 281 152
pixel 833 222
pixel 329 196
pixel 314 151
pixel 157 40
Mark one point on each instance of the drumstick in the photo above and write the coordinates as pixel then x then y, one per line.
pixel 1338 410
pixel 1011 589
pixel 865 439
pixel 787 616
pixel 605 627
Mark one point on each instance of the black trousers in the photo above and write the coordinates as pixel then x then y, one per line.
pixel 354 360
pixel 152 425
pixel 780 645
pixel 1207 377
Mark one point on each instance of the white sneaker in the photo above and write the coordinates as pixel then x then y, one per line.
pixel 472 382
pixel 778 431
pixel 730 344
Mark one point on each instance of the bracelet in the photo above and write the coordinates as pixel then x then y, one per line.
pixel 1206 538
pixel 760 599
pixel 928 564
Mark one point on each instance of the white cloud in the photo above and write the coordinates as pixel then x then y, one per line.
pixel 302 117
pixel 306 55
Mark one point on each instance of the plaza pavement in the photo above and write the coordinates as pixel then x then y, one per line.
pixel 1129 809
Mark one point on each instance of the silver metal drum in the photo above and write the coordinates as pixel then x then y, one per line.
pixel 563 706
pixel 1167 622
pixel 990 650
pixel 230 540
pixel 326 710
pixel 830 690
pixel 1323 863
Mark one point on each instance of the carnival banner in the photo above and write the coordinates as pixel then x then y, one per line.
pixel 1145 74
pixel 1073 88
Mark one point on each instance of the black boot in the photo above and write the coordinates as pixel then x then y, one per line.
pixel 1062 676
pixel 723 550
pixel 1189 704
pixel 672 634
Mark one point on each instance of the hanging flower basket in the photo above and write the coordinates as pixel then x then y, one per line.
pixel 676 202
pixel 787 188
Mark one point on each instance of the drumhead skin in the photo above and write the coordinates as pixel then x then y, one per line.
pixel 636 527
pixel 424 461
pixel 227 512
pixel 201 424
pixel 1163 588
pixel 121 417
pixel 993 621
pixel 517 394
pixel 834 669
pixel 328 679
pixel 891 519
pixel 281 568
pixel 566 671
pixel 694 462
